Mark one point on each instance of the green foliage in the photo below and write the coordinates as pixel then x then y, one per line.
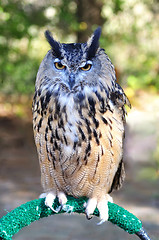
pixel 132 30
pixel 144 75
pixel 129 35
pixel 17 67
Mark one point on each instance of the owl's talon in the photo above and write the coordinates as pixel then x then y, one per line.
pixel 88 217
pixel 54 210
pixel 58 209
pixel 103 209
pixel 49 200
pixel 91 205
pixel 101 222
pixel 62 198
pixel 101 204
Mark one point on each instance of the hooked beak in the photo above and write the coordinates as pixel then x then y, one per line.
pixel 71 80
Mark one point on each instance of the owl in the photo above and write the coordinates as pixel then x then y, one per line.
pixel 78 122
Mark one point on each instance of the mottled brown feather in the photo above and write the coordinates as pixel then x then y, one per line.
pixel 79 132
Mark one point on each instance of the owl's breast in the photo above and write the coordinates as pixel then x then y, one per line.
pixel 80 135
pixel 71 122
pixel 80 114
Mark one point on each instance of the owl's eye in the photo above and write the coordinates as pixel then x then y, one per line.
pixel 86 67
pixel 59 65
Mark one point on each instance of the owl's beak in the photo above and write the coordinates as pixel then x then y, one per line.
pixel 71 80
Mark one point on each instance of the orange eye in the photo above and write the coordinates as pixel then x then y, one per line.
pixel 59 65
pixel 86 67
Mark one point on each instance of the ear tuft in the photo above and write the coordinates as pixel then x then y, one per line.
pixel 93 43
pixel 53 43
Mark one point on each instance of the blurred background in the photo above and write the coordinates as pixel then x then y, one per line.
pixel 130 36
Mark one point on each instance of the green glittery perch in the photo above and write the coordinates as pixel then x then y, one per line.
pixel 29 212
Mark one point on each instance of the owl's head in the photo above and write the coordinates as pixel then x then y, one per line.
pixel 76 65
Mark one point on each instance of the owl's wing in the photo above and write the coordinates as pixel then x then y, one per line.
pixel 120 99
pixel 119 177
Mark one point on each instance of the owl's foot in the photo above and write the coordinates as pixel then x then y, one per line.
pixel 50 198
pixel 101 204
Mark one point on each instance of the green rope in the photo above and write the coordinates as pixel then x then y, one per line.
pixel 29 212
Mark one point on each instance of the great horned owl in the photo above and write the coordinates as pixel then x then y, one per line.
pixel 78 122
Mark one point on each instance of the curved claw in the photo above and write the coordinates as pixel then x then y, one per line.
pixel 49 200
pixel 90 207
pixel 101 222
pixel 101 204
pixel 88 216
pixel 50 197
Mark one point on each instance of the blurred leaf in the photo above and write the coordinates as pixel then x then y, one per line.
pixel 129 35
